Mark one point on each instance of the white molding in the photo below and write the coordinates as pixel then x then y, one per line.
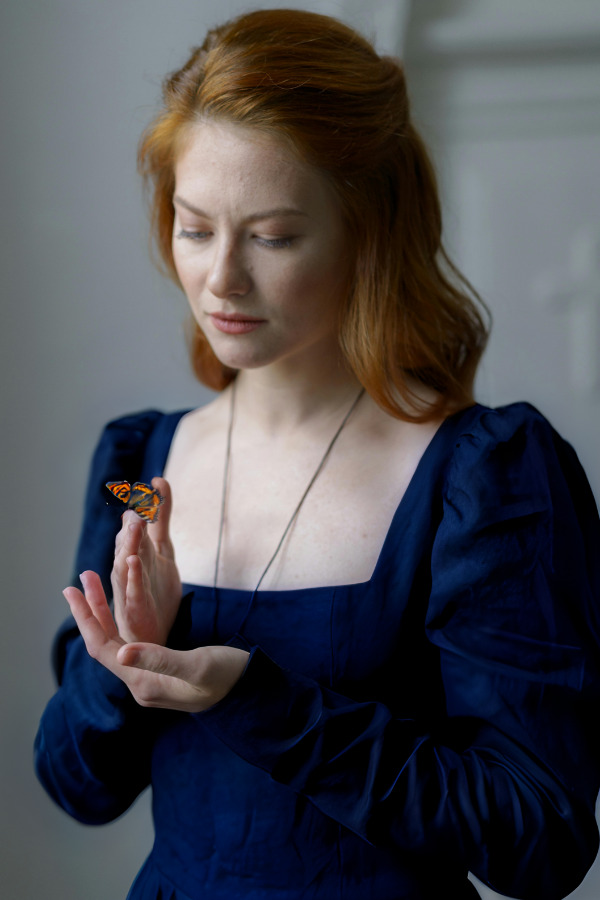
pixel 576 293
pixel 489 28
pixel 463 121
pixel 494 97
pixel 382 21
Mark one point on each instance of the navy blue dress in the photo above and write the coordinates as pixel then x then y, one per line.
pixel 386 737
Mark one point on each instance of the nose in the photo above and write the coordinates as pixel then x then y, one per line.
pixel 228 274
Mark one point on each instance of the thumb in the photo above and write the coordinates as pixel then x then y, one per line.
pixel 158 531
pixel 161 660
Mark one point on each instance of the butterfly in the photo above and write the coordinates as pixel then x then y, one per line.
pixel 141 498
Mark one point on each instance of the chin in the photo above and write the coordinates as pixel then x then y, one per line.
pixel 242 358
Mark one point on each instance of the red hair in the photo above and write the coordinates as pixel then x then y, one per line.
pixel 312 81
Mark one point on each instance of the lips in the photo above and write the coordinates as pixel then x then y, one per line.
pixel 235 323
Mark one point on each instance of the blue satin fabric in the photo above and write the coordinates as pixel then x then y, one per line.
pixel 386 737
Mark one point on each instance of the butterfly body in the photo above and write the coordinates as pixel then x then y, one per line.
pixel 142 498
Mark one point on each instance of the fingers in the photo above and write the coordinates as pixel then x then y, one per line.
pixel 191 680
pixel 96 600
pixel 130 536
pixel 94 620
pixel 138 539
pixel 128 543
pixel 144 668
pixel 136 592
pixel 159 530
pixel 136 616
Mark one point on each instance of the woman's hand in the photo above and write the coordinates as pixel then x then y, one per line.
pixel 186 680
pixel 145 581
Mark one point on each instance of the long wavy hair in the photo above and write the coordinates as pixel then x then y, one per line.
pixel 409 316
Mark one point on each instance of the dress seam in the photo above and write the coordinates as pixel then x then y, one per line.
pixel 175 889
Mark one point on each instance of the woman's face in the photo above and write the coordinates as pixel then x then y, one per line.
pixel 259 246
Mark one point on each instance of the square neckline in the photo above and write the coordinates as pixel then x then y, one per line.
pixel 426 461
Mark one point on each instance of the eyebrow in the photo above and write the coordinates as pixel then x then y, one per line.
pixel 255 217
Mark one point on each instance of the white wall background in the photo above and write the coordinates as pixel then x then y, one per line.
pixel 78 82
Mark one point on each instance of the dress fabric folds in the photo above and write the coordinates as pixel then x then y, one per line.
pixel 387 737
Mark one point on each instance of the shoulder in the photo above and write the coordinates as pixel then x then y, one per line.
pixel 128 436
pixel 483 427
pixel 141 424
pixel 508 448
pixel 516 502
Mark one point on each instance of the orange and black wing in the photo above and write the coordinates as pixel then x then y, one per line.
pixel 145 501
pixel 121 489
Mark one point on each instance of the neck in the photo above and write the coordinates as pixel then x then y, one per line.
pixel 279 403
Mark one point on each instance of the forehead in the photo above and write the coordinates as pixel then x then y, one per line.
pixel 244 165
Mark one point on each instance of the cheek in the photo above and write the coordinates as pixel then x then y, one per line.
pixel 316 274
pixel 322 285
pixel 186 270
pixel 178 262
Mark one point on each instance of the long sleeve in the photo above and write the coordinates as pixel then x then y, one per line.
pixel 505 779
pixel 92 746
pixel 92 750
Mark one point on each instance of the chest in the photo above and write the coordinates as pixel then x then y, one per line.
pixel 267 511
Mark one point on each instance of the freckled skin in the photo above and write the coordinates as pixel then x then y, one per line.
pixel 288 269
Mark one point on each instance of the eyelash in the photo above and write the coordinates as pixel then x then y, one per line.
pixel 192 235
pixel 271 243
pixel 275 243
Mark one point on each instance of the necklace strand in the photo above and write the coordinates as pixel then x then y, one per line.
pixel 298 506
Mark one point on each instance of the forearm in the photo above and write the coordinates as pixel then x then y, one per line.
pixel 468 793
pixel 92 751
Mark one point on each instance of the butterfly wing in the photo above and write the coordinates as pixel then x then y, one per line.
pixel 145 501
pixel 121 489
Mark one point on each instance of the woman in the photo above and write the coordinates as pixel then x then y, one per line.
pixel 356 655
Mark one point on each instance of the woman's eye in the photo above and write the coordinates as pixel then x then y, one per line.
pixel 193 235
pixel 275 243
pixel 279 243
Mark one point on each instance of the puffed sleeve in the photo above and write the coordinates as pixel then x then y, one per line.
pixel 506 779
pixel 91 750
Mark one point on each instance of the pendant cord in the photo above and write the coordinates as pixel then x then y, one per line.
pixel 308 487
pixel 316 474
pixel 225 485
